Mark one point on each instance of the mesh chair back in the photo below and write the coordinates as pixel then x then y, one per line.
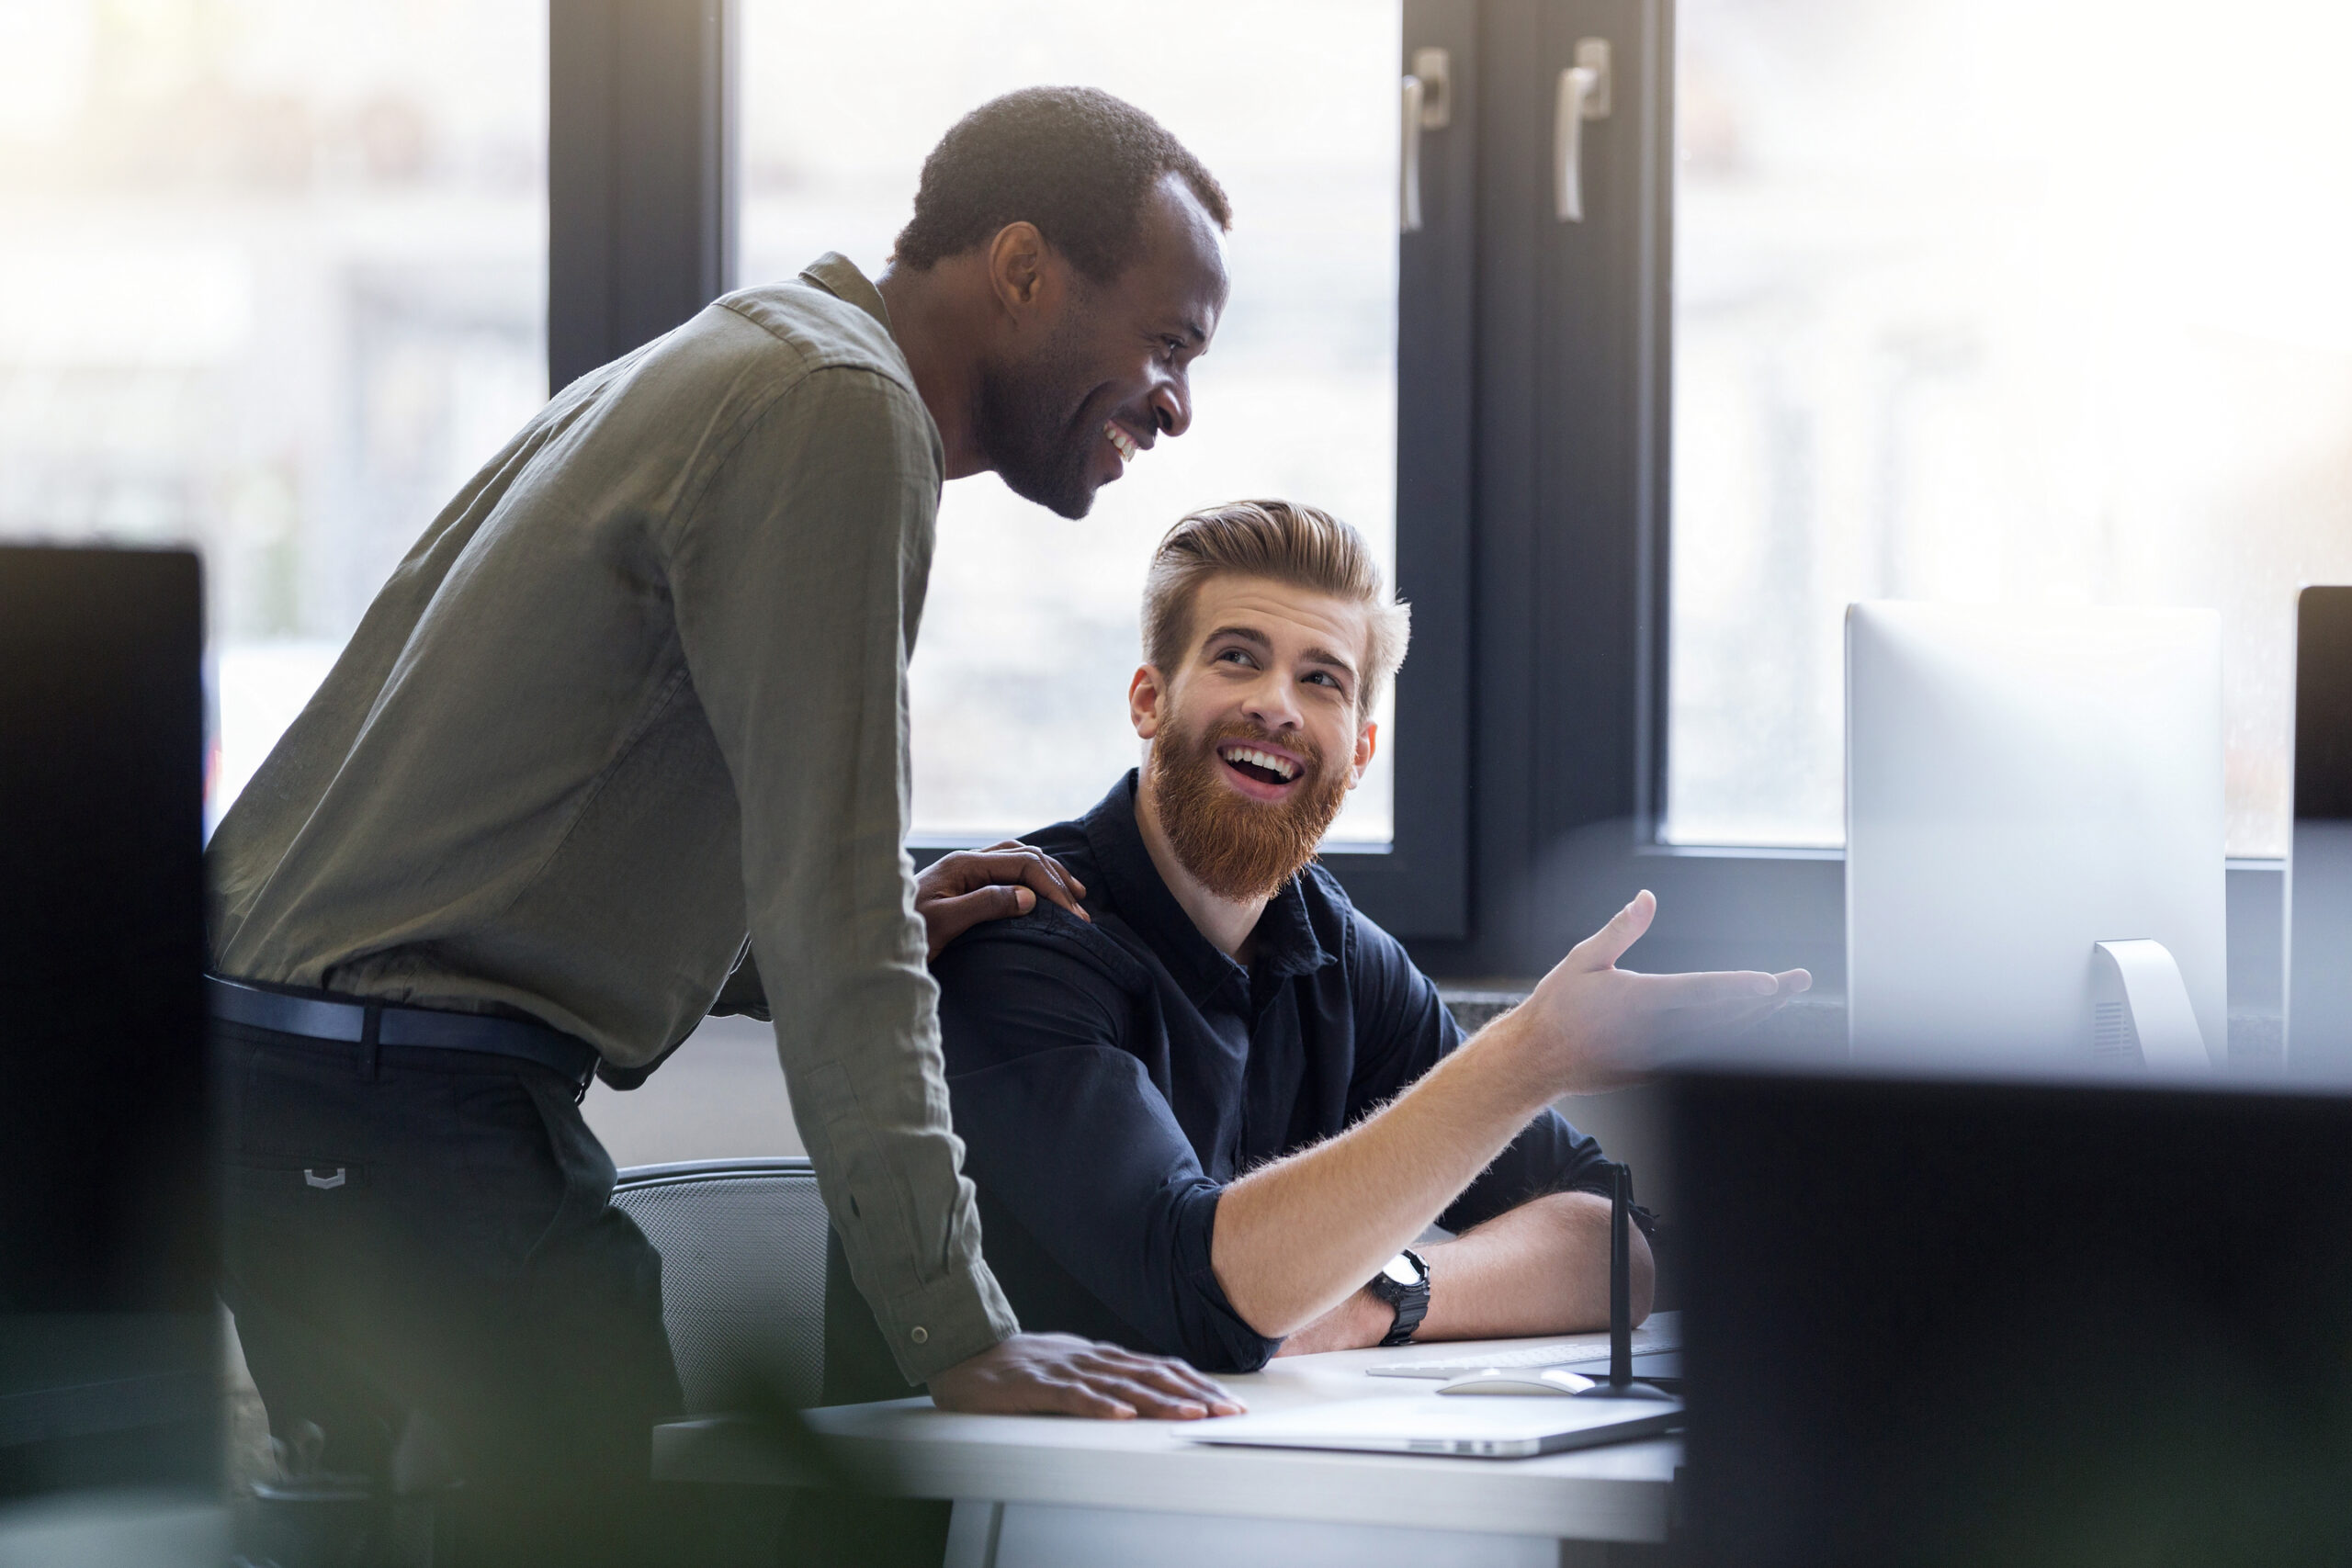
pixel 742 1245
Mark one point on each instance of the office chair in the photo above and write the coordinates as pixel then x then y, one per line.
pixel 742 1245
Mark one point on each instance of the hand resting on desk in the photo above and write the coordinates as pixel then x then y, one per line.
pixel 1062 1374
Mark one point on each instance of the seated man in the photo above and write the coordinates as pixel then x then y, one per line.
pixel 1201 1120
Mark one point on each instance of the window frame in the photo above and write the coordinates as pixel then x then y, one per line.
pixel 1534 363
pixel 642 122
pixel 1730 877
pixel 1418 887
pixel 1767 898
pixel 1573 536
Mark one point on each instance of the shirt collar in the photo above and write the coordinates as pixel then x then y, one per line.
pixel 1286 943
pixel 837 276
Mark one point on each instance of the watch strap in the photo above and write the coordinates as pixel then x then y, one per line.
pixel 1409 1303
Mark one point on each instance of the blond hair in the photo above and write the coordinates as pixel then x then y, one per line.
pixel 1286 543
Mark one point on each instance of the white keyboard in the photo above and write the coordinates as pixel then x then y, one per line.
pixel 1525 1356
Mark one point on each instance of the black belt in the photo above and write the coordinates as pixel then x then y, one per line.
pixel 321 1018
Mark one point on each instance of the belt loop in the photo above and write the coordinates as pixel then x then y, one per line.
pixel 371 1044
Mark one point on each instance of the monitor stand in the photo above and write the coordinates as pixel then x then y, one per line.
pixel 1620 1383
pixel 2141 1014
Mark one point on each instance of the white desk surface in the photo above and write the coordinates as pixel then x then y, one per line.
pixel 907 1447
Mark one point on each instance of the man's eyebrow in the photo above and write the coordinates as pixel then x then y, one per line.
pixel 1257 638
pixel 1193 331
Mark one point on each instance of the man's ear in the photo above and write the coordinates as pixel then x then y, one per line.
pixel 1027 279
pixel 1367 742
pixel 1147 698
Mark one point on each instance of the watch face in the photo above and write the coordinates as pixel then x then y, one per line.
pixel 1401 1269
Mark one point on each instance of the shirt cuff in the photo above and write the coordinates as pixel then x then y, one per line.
pixel 1215 1338
pixel 946 1322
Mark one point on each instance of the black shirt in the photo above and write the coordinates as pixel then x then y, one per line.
pixel 1109 1080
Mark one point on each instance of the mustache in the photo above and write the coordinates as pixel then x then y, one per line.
pixel 1141 418
pixel 1243 730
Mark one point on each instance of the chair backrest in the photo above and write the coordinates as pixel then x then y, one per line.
pixel 742 1245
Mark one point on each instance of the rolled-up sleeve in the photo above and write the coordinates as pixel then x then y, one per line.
pixel 798 578
pixel 1068 1135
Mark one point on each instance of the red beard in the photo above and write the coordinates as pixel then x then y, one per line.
pixel 1239 849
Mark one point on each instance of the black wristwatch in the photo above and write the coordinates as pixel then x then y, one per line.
pixel 1405 1286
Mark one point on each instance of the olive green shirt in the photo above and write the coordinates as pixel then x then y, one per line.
pixel 639 691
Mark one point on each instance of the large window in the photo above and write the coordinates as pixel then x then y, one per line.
pixel 272 282
pixel 1992 299
pixel 1030 631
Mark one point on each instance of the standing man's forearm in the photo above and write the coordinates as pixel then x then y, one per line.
pixel 806 555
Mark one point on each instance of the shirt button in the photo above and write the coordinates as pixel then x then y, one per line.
pixel 919 1333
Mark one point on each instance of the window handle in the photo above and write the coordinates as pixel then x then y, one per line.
pixel 1583 96
pixel 1428 105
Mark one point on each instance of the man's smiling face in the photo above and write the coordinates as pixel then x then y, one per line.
pixel 1257 738
pixel 1110 375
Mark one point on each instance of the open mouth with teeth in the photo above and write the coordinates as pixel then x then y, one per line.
pixel 1121 442
pixel 1270 771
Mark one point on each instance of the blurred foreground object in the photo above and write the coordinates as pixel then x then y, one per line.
pixel 108 1339
pixel 2015 1323
pixel 2319 874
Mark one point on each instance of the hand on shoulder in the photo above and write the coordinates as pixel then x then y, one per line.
pixel 960 890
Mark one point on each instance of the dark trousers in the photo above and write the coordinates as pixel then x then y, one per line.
pixel 424 1265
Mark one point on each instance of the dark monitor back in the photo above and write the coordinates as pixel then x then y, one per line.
pixel 108 1327
pixel 2319 877
pixel 2323 705
pixel 1943 1323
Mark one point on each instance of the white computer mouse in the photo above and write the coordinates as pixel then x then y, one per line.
pixel 1551 1379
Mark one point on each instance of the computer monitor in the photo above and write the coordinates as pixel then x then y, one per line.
pixel 109 1335
pixel 2319 869
pixel 1960 1320
pixel 2022 786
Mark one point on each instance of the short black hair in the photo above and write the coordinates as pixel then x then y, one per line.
pixel 1074 161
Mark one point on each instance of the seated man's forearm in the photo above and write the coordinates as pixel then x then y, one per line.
pixel 1541 1269
pixel 1296 1237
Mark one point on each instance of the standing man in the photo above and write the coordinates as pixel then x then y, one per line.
pixel 629 717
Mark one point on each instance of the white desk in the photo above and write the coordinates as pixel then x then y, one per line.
pixel 1046 1492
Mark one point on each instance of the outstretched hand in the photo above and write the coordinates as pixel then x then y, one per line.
pixel 1062 1374
pixel 959 891
pixel 1594 1026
